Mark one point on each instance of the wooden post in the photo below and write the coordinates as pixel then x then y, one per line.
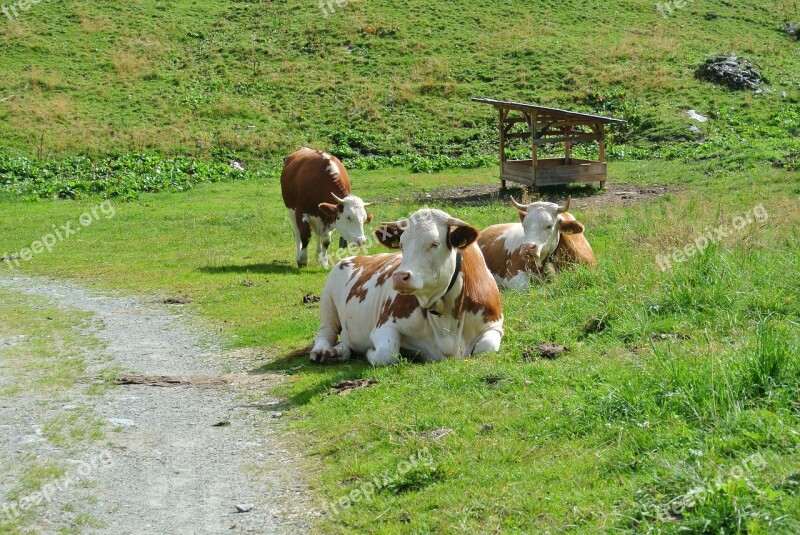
pixel 534 148
pixel 567 132
pixel 503 113
pixel 602 131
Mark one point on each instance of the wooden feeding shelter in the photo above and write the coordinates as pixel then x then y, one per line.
pixel 543 125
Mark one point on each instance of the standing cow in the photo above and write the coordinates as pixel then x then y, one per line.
pixel 434 300
pixel 547 238
pixel 316 191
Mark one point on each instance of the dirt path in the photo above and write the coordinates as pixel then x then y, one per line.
pixel 585 198
pixel 168 469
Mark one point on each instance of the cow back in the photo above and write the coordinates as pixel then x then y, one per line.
pixel 500 249
pixel 309 177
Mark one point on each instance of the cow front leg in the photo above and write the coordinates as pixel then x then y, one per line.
pixel 322 248
pixel 304 235
pixel 329 329
pixel 488 342
pixel 386 346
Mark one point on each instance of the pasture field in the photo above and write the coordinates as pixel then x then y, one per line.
pixel 378 82
pixel 676 406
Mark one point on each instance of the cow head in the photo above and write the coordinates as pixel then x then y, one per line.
pixel 542 223
pixel 430 240
pixel 350 217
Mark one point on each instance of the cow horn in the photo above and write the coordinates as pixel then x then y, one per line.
pixel 517 205
pixel 454 222
pixel 563 209
pixel 340 201
pixel 368 204
pixel 402 223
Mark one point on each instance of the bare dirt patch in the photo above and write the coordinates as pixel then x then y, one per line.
pixel 583 197
pixel 178 300
pixel 345 387
pixel 310 298
pixel 544 351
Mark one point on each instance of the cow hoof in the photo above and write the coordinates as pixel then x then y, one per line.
pixel 323 356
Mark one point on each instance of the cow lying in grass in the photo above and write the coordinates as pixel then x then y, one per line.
pixel 316 191
pixel 434 300
pixel 546 239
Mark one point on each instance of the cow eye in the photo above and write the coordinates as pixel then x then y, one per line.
pixel 435 245
pixel 549 226
pixel 350 219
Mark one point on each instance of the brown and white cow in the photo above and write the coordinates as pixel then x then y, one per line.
pixel 316 191
pixel 434 300
pixel 547 238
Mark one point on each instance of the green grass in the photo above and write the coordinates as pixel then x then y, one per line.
pixel 608 437
pixel 379 81
pixel 115 99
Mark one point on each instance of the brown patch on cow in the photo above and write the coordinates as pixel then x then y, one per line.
pixel 365 267
pixel 331 209
pixel 388 234
pixel 461 237
pixel 400 307
pixel 573 248
pixel 479 293
pixel 306 183
pixel 501 263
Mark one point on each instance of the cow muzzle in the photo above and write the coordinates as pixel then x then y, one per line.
pixel 401 281
pixel 528 251
pixel 360 241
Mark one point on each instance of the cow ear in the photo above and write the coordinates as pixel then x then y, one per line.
pixel 522 215
pixel 369 218
pixel 328 208
pixel 570 227
pixel 460 237
pixel 389 235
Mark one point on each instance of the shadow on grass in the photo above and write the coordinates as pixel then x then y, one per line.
pixel 324 375
pixel 281 267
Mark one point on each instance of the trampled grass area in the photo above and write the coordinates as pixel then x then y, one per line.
pixel 629 430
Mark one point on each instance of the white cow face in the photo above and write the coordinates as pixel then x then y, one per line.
pixel 429 240
pixel 351 215
pixel 542 222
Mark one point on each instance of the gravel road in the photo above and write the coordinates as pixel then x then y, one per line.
pixel 167 468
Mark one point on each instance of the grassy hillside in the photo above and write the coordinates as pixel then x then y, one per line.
pixel 675 408
pixel 256 79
